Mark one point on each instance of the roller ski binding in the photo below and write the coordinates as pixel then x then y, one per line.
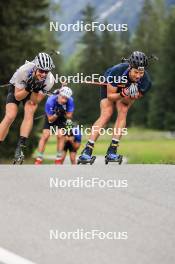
pixel 86 155
pixel 19 156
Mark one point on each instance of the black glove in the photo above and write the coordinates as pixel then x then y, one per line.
pixel 39 86
pixel 60 111
pixel 30 84
pixel 34 85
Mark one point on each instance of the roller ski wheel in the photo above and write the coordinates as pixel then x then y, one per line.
pixel 90 161
pixel 118 160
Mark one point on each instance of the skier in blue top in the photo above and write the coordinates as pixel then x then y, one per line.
pixel 59 110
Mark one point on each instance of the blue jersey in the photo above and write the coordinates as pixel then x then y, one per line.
pixel 115 76
pixel 77 134
pixel 52 105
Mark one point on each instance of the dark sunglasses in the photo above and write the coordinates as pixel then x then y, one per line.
pixel 43 71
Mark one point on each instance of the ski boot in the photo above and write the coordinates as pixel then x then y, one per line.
pixel 19 156
pixel 58 161
pixel 112 155
pixel 86 155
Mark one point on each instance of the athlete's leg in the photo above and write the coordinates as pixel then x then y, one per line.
pixel 73 152
pixel 43 140
pixel 106 111
pixel 60 143
pixel 10 115
pixel 63 156
pixel 41 146
pixel 73 157
pixel 61 153
pixel 122 107
pixel 26 127
pixel 27 124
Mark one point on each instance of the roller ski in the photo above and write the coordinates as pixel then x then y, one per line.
pixel 86 159
pixel 113 158
pixel 19 156
pixel 112 155
pixel 86 155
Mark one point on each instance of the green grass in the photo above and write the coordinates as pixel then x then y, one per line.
pixel 139 146
pixel 137 151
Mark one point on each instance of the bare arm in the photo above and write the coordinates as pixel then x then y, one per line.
pixel 69 115
pixel 52 118
pixel 20 94
pixel 111 93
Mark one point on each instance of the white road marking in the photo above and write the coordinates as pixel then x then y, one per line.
pixel 8 257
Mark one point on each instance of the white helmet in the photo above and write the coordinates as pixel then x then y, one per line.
pixel 65 91
pixel 44 62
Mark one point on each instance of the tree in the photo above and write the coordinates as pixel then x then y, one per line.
pixel 87 103
pixel 110 49
pixel 163 106
pixel 148 39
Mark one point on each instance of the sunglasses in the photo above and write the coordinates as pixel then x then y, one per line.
pixel 43 71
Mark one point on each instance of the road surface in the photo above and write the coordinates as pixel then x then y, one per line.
pixel 144 209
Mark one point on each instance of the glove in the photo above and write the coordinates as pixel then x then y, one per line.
pixel 30 84
pixel 133 90
pixel 69 124
pixel 33 85
pixel 125 92
pixel 68 127
pixel 39 86
pixel 59 112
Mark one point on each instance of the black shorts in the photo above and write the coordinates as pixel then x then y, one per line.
pixel 11 96
pixel 60 123
pixel 69 146
pixel 103 92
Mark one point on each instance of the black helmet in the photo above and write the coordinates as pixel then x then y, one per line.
pixel 138 60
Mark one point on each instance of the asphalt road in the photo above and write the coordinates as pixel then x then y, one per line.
pixel 144 210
